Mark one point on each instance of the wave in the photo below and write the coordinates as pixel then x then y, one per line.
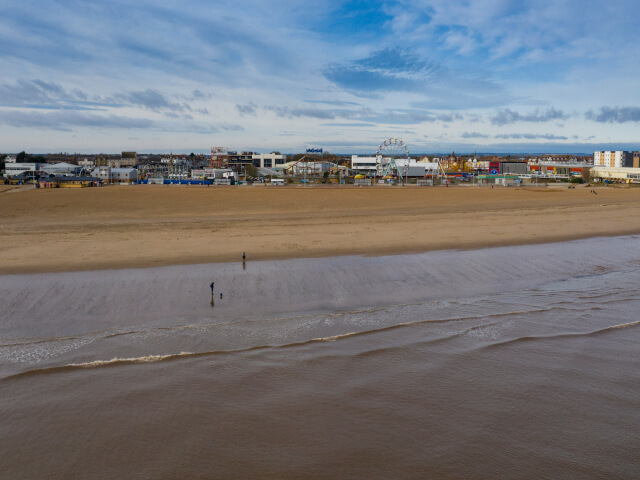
pixel 132 332
pixel 145 359
pixel 37 342
pixel 169 357
pixel 531 338
pixel 472 331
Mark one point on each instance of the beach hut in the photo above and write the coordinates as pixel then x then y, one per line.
pixel 79 182
pixel 48 181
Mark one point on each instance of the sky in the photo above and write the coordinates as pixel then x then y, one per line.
pixel 502 76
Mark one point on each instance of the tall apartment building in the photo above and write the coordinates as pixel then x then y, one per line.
pixel 617 159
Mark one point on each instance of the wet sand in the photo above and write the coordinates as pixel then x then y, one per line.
pixel 144 226
pixel 442 365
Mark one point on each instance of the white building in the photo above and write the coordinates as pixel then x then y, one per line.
pixel 116 175
pixel 617 159
pixel 86 163
pixel 268 160
pixel 365 165
pixel 173 161
pixel 62 168
pixel 408 166
pixel 16 168
pixel 433 167
pixel 310 168
pixel 213 174
pixel 616 174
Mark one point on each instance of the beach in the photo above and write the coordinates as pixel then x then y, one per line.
pixel 507 362
pixel 145 226
pixel 372 333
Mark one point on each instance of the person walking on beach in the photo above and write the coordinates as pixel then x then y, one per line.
pixel 212 284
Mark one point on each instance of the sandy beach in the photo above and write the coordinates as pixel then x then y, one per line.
pixel 145 226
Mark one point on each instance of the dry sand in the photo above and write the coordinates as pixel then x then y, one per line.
pixel 144 226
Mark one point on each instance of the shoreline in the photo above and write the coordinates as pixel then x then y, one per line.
pixel 113 302
pixel 178 262
pixel 138 227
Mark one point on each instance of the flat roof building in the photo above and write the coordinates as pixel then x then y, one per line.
pixel 116 175
pixel 16 168
pixel 268 160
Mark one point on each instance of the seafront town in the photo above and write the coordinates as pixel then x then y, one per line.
pixel 390 165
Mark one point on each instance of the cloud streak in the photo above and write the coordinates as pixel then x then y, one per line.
pixel 615 115
pixel 67 120
pixel 385 116
pixel 531 136
pixel 506 116
pixel 151 100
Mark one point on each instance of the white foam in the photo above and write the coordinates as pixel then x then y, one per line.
pixel 144 359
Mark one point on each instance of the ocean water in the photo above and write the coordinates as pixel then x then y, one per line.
pixel 513 362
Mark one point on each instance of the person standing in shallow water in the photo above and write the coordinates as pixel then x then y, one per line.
pixel 212 285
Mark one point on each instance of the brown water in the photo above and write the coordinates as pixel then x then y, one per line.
pixel 520 362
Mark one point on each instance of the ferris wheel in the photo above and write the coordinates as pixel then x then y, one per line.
pixel 389 151
pixel 393 148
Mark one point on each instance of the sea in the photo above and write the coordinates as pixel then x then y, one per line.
pixel 515 362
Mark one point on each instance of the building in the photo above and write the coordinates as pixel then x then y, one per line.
pixel 515 168
pixel 310 168
pixel 174 160
pixel 268 160
pixel 504 180
pixel 16 168
pixel 214 173
pixel 128 159
pixel 53 181
pixel 616 174
pixel 407 166
pixel 102 160
pixel 558 165
pixel 86 163
pixel 61 168
pixel 116 175
pixel 239 160
pixel 611 159
pixel 365 165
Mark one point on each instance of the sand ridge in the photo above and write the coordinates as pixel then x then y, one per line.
pixel 145 226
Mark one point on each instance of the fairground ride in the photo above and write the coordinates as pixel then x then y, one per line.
pixel 393 150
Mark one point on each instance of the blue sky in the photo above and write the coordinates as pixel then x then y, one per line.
pixel 492 75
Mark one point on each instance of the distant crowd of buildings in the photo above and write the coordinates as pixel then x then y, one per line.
pixel 226 166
